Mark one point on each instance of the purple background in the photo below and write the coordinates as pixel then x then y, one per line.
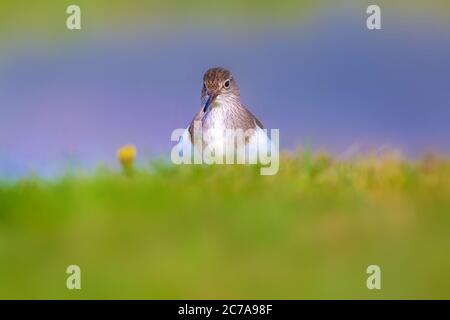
pixel 329 82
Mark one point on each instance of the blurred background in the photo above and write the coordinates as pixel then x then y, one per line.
pixel 363 116
pixel 134 73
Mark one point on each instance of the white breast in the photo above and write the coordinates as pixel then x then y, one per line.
pixel 214 130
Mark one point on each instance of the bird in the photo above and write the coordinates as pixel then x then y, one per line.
pixel 221 109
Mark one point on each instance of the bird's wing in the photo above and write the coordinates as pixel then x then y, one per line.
pixel 259 142
pixel 257 122
pixel 254 119
pixel 198 117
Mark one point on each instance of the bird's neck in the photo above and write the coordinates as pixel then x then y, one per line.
pixel 222 112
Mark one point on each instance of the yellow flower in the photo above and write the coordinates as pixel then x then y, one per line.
pixel 126 155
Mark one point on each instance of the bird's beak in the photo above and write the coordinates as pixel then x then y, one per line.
pixel 210 99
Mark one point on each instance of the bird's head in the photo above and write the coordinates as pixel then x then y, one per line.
pixel 219 87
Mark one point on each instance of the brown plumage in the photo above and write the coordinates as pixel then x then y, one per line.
pixel 225 110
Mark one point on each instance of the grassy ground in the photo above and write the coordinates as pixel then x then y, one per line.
pixel 227 232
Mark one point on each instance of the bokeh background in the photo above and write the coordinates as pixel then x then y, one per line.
pixel 363 117
pixel 134 73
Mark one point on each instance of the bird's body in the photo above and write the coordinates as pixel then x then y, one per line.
pixel 221 113
pixel 221 117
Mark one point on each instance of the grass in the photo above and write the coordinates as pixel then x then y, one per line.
pixel 194 232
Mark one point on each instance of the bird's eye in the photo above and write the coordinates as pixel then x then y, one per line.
pixel 226 84
pixel 204 86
